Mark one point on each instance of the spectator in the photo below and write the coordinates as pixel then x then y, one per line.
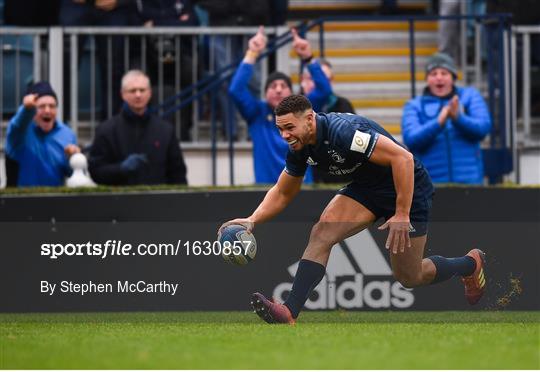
pixel 136 147
pixel 38 142
pixel 269 149
pixel 334 103
pixel 445 125
pixel 106 13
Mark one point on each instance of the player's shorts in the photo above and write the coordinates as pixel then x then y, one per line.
pixel 382 201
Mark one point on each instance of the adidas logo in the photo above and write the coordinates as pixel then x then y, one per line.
pixel 310 161
pixel 347 282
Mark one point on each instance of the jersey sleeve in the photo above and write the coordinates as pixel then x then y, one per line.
pixel 354 134
pixel 296 163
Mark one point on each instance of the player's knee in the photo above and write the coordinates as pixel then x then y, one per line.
pixel 408 280
pixel 323 234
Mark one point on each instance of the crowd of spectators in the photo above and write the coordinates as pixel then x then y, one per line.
pixel 443 127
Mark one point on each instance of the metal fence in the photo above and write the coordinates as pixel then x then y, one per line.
pixel 523 35
pixel 84 65
pixel 21 59
pixel 521 81
pixel 176 58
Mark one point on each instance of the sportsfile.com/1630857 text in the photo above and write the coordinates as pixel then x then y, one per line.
pixel 118 248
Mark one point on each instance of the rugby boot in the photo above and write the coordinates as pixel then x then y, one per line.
pixel 270 311
pixel 475 283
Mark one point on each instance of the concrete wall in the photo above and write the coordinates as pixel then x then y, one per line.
pixel 530 168
pixel 199 163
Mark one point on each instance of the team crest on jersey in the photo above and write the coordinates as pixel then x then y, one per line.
pixel 336 157
pixel 311 161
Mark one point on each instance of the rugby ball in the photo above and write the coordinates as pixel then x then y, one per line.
pixel 238 246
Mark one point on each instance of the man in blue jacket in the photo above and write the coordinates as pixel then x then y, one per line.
pixel 269 150
pixel 38 142
pixel 445 125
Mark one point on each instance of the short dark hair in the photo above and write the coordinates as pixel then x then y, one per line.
pixel 295 103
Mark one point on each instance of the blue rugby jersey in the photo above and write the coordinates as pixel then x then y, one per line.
pixel 344 145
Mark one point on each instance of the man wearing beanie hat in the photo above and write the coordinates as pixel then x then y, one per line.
pixel 269 149
pixel 444 126
pixel 38 142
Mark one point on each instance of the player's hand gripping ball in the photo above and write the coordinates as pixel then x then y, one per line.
pixel 238 246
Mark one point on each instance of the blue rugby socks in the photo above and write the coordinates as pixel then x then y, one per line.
pixel 308 275
pixel 448 267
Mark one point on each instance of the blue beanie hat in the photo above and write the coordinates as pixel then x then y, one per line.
pixel 277 75
pixel 42 88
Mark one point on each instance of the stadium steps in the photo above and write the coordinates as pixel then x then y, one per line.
pixel 380 26
pixel 304 9
pixel 371 64
pixel 368 52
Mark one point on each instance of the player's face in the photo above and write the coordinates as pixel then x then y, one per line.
pixel 136 93
pixel 46 108
pixel 276 92
pixel 440 82
pixel 297 131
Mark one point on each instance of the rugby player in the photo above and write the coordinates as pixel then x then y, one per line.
pixel 387 182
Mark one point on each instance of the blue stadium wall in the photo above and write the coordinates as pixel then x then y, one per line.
pixel 505 223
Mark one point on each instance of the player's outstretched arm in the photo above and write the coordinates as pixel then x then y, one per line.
pixel 275 200
pixel 389 153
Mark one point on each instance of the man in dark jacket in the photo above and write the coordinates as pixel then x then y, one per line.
pixel 136 147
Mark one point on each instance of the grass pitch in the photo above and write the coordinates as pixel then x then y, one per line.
pixel 238 340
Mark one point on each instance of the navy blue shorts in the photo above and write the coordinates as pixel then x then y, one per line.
pixel 382 202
